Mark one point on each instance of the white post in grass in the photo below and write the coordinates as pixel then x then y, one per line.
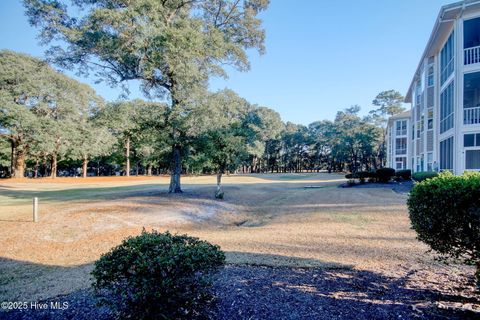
pixel 35 209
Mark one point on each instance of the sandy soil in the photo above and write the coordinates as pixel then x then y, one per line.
pixel 271 220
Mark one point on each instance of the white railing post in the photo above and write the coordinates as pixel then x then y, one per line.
pixel 35 209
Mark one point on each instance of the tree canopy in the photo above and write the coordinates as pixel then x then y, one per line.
pixel 172 47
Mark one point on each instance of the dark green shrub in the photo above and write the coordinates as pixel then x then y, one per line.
pixel 384 174
pixel 351 178
pixel 404 174
pixel 157 276
pixel 445 213
pixel 363 175
pixel 424 175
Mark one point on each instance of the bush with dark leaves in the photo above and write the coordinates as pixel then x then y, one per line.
pixel 157 276
pixel 445 213
pixel 384 174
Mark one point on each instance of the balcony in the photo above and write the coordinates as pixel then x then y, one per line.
pixel 471 115
pixel 400 151
pixel 471 55
pixel 471 41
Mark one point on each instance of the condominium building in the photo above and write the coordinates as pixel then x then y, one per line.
pixel 398 136
pixel 444 122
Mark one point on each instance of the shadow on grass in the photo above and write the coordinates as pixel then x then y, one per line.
pixel 14 196
pixel 306 176
pixel 325 291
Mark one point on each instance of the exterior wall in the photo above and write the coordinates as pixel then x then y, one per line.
pixel 423 101
pixel 462 71
pixel 392 149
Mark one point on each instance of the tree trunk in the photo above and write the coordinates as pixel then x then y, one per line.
pixel 37 164
pixel 219 191
pixel 18 156
pixel 149 170
pixel 53 174
pixel 477 276
pixel 176 170
pixel 84 166
pixel 127 156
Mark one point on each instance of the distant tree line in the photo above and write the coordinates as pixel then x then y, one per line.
pixel 53 125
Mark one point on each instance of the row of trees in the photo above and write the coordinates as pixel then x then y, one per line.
pixel 48 119
pixel 172 48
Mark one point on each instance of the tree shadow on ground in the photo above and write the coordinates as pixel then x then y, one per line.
pixel 332 292
pixel 260 292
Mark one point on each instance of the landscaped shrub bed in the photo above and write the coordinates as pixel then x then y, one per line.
pixel 445 213
pixel 157 276
pixel 403 174
pixel 422 176
pixel 384 174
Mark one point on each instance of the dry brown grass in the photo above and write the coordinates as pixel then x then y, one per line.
pixel 265 219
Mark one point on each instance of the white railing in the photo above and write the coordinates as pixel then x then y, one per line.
pixel 401 132
pixel 400 151
pixel 471 115
pixel 471 55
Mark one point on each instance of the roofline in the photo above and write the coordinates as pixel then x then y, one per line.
pixel 449 7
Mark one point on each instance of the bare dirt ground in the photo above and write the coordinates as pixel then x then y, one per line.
pixel 268 220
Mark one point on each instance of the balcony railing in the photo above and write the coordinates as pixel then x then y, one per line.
pixel 400 151
pixel 471 115
pixel 471 55
pixel 401 132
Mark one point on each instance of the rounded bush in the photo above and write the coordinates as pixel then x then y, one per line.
pixel 384 174
pixel 424 175
pixel 445 213
pixel 157 276
pixel 404 174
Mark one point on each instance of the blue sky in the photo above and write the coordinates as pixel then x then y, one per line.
pixel 322 55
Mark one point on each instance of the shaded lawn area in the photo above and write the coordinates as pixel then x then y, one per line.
pixel 265 220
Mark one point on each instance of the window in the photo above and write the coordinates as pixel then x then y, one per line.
pixel 401 146
pixel 470 33
pixel 401 127
pixel 429 161
pixel 447 56
pixel 430 119
pixel 471 140
pixel 472 159
pixel 446 108
pixel 471 98
pixel 400 163
pixel 420 164
pixel 446 154
pixel 471 90
pixel 430 81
